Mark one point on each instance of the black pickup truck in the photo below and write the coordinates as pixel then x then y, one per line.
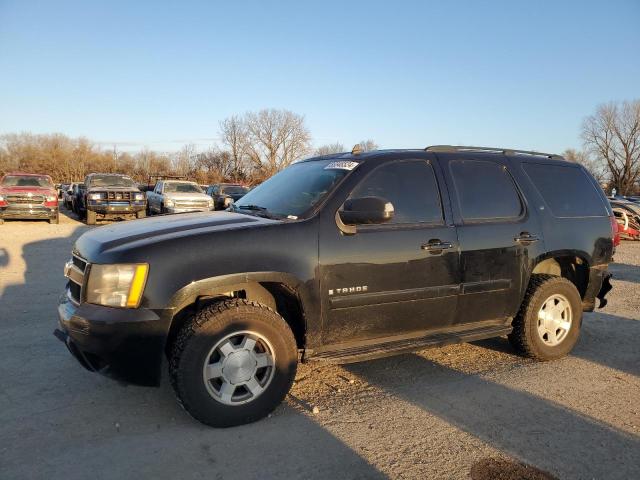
pixel 342 258
pixel 109 195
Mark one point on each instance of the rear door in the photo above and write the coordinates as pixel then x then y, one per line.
pixel 499 236
pixel 398 278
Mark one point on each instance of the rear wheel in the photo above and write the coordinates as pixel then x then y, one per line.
pixel 548 323
pixel 91 217
pixel 233 363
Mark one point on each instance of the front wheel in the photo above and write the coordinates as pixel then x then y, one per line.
pixel 55 220
pixel 91 217
pixel 141 214
pixel 233 363
pixel 548 323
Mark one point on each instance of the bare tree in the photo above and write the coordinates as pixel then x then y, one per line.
pixel 277 138
pixel 368 145
pixel 329 149
pixel 597 168
pixel 612 135
pixel 235 136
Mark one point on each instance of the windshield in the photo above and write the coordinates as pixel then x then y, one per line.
pixel 235 190
pixel 296 189
pixel 26 181
pixel 182 188
pixel 110 181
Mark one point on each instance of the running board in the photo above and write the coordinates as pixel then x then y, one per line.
pixel 370 351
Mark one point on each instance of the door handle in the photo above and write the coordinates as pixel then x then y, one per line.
pixel 525 238
pixel 436 245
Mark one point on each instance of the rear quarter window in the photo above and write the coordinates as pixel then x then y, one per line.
pixel 566 190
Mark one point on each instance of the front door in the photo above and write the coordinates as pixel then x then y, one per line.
pixel 398 278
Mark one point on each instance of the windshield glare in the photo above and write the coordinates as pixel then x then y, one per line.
pixel 110 181
pixel 182 188
pixel 26 181
pixel 294 190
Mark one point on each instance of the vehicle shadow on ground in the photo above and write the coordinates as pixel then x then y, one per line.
pixel 625 272
pixel 608 340
pixel 49 399
pixel 533 430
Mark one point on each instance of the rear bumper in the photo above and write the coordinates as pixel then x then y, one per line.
pixel 123 344
pixel 28 211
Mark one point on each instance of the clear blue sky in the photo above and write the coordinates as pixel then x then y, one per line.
pixel 406 74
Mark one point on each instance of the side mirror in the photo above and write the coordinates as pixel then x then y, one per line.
pixel 366 210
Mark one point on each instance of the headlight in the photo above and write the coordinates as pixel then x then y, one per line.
pixel 95 196
pixel 139 196
pixel 117 285
pixel 50 198
pixel 228 201
pixel 169 203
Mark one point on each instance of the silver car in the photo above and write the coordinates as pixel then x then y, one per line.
pixel 178 196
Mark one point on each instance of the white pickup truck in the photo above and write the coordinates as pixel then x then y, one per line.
pixel 178 196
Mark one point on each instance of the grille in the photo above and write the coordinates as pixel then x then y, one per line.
pixel 119 195
pixel 192 204
pixel 25 199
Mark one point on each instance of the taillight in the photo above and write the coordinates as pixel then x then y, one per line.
pixel 615 236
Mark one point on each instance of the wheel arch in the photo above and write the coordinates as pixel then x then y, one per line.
pixel 276 290
pixel 574 265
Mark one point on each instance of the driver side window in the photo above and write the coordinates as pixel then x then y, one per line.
pixel 410 186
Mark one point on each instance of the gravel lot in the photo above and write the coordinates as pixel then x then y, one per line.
pixel 454 412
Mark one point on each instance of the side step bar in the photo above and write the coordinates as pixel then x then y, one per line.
pixel 361 353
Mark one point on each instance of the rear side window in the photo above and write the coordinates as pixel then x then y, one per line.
pixel 485 191
pixel 410 186
pixel 566 190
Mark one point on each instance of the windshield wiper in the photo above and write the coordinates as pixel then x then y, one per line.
pixel 257 209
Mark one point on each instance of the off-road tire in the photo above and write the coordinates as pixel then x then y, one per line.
pixel 55 220
pixel 91 217
pixel 198 336
pixel 524 337
pixel 141 214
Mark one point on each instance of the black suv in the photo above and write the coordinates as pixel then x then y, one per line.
pixel 224 194
pixel 110 195
pixel 342 258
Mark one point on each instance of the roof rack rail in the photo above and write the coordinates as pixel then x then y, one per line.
pixel 504 151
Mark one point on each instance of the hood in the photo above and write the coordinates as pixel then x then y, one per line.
pixel 34 190
pixel 142 232
pixel 112 189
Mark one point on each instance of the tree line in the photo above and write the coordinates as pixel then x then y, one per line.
pixel 252 147
pixel 256 145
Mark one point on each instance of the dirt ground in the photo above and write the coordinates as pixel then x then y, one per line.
pixel 466 411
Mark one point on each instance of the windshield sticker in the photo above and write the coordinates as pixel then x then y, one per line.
pixel 343 165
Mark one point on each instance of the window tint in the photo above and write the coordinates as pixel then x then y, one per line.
pixel 485 190
pixel 566 190
pixel 410 186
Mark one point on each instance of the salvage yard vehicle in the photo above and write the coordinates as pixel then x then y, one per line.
pixel 224 194
pixel 178 196
pixel 28 196
pixel 342 258
pixel 109 195
pixel 627 215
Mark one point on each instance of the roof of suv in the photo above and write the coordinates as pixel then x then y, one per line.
pixel 445 150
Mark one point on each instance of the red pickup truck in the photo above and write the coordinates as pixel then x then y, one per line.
pixel 28 195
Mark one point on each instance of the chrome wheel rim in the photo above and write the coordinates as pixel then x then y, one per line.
pixel 239 368
pixel 554 320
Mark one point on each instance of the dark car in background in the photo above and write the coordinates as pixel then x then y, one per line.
pixel 109 196
pixel 28 196
pixel 224 194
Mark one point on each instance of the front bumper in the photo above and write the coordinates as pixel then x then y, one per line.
pixel 120 208
pixel 186 209
pixel 123 344
pixel 28 211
